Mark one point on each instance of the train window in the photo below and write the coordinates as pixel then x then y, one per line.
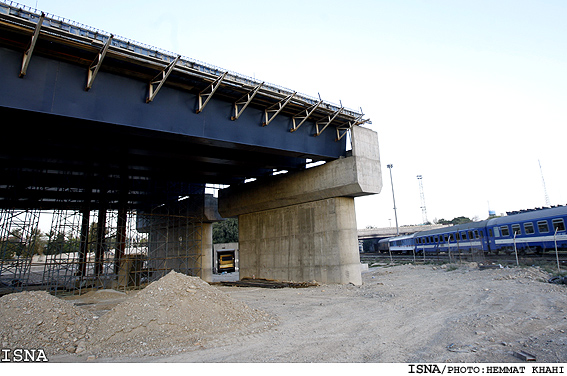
pixel 471 235
pixel 490 232
pixel 558 224
pixel 436 239
pixel 446 237
pixel 516 229
pixel 505 230
pixel 464 235
pixel 476 234
pixel 542 226
pixel 529 228
pixel 496 232
pixel 451 237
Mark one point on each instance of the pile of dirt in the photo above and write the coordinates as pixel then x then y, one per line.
pixel 171 315
pixel 38 320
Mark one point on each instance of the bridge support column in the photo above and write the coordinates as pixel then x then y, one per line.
pixel 302 226
pixel 312 241
pixel 180 237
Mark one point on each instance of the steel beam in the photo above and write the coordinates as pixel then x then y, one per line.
pixel 325 122
pixel 303 116
pixel 208 92
pixel 244 101
pixel 29 51
pixel 100 242
pixel 345 127
pixel 276 109
pixel 84 243
pixel 159 80
pixel 97 62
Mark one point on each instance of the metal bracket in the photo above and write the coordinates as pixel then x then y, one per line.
pixel 29 51
pixel 345 127
pixel 303 118
pixel 159 80
pixel 326 122
pixel 276 109
pixel 97 62
pixel 208 92
pixel 244 102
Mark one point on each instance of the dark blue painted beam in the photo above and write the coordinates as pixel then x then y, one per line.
pixel 57 88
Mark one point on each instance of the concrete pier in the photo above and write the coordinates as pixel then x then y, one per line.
pixel 180 237
pixel 302 226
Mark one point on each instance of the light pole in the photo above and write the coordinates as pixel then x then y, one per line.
pixel 394 198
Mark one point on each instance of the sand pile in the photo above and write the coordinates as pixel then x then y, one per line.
pixel 38 320
pixel 173 314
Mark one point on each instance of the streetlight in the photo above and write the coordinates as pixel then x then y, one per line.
pixel 394 198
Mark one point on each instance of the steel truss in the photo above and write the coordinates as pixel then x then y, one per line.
pixel 273 98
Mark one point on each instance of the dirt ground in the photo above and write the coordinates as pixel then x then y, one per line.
pixel 401 314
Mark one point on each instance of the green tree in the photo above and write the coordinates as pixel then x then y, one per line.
pixel 454 221
pixel 225 231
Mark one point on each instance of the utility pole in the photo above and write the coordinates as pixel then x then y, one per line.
pixel 422 196
pixel 394 198
pixel 544 188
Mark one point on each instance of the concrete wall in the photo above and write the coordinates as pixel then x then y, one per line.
pixel 305 242
pixel 185 248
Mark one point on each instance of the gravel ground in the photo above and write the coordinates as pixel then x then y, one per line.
pixel 401 314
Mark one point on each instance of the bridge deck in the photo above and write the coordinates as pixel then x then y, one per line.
pixel 91 112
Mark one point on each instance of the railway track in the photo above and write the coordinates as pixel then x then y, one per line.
pixel 502 259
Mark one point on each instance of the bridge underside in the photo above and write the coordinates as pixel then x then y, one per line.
pixel 118 140
pixel 55 162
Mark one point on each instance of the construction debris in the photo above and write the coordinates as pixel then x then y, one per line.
pixel 268 283
pixel 525 356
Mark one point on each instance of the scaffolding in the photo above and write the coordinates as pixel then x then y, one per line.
pixel 66 251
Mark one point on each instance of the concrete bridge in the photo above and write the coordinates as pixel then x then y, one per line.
pixel 371 236
pixel 97 123
pixel 387 232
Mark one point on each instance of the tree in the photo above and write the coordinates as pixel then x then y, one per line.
pixel 454 221
pixel 225 231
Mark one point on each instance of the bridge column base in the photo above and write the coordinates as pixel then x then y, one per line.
pixel 305 242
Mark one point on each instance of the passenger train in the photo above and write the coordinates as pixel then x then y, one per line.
pixel 530 231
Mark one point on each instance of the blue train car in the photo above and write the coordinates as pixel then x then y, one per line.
pixel 384 245
pixel 469 237
pixel 402 244
pixel 532 231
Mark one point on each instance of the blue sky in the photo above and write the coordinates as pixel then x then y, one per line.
pixel 468 94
